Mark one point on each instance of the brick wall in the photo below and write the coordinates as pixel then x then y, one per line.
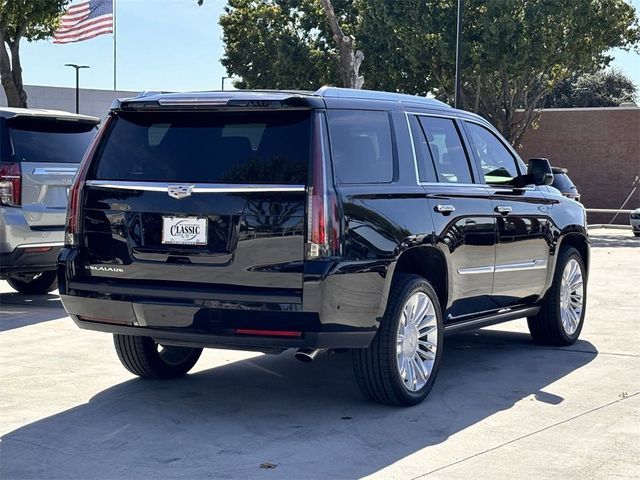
pixel 599 146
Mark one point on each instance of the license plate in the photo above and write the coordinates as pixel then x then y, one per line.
pixel 184 230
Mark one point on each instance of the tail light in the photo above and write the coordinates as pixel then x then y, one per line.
pixel 74 214
pixel 323 222
pixel 10 184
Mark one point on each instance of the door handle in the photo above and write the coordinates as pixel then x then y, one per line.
pixel 503 209
pixel 445 209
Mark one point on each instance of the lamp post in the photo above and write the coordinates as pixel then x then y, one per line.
pixel 222 82
pixel 77 67
pixel 456 98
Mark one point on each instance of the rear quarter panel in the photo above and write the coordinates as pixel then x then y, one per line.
pixel 379 222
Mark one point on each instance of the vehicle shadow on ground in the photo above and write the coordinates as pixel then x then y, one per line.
pixel 309 420
pixel 17 310
pixel 612 241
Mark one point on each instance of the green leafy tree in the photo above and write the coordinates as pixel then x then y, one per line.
pixel 28 19
pixel 278 44
pixel 514 51
pixel 313 36
pixel 605 88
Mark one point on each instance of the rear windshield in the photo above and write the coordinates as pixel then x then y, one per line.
pixel 48 140
pixel 205 147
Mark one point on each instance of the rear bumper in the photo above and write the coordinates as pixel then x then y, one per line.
pixel 15 231
pixel 17 240
pixel 337 307
pixel 194 325
pixel 27 260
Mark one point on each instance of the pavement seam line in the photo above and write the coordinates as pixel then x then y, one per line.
pixel 548 427
pixel 501 346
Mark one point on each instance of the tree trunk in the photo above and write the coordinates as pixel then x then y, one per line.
pixel 350 59
pixel 16 73
pixel 11 72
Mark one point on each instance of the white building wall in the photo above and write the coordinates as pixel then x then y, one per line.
pixel 92 101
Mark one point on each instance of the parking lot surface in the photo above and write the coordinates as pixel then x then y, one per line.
pixel 502 407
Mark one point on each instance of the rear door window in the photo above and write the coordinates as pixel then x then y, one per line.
pixel 361 146
pixel 48 140
pixel 424 158
pixel 449 156
pixel 207 147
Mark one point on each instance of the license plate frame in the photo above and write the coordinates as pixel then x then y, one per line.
pixel 185 230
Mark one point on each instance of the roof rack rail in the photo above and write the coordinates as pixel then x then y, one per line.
pixel 336 92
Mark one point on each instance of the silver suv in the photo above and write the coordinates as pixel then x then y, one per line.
pixel 40 151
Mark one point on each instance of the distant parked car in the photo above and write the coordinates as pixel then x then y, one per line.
pixel 40 151
pixel 563 183
pixel 634 220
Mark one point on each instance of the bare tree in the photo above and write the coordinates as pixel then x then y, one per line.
pixel 350 58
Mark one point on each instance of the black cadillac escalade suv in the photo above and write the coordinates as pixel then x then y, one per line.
pixel 340 219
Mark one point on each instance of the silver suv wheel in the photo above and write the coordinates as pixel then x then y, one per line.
pixel 416 341
pixel 571 296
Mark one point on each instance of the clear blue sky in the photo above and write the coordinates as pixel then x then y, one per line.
pixel 163 45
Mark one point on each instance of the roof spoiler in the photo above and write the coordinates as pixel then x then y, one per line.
pixel 211 100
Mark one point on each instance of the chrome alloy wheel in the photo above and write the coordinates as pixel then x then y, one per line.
pixel 571 296
pixel 416 341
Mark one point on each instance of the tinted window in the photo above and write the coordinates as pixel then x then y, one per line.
pixel 48 140
pixel 496 162
pixel 361 146
pixel 446 147
pixel 255 147
pixel 424 159
pixel 562 182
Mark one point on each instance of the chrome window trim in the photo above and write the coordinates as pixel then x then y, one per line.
pixel 198 187
pixel 505 267
pixel 440 184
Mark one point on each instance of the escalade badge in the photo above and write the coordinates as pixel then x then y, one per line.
pixel 180 191
pixel 106 268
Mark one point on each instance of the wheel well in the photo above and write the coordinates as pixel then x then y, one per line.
pixel 429 263
pixel 580 243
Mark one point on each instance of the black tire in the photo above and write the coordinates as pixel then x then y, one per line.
pixel 637 234
pixel 546 326
pixel 145 358
pixel 376 367
pixel 35 283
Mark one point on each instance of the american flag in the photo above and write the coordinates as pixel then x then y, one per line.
pixel 84 21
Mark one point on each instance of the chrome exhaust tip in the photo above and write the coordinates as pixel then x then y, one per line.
pixel 307 355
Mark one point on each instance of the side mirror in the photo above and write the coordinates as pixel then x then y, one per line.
pixel 538 173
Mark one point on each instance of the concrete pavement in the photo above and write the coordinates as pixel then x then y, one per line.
pixel 502 407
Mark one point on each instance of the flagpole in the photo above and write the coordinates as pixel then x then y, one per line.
pixel 114 45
